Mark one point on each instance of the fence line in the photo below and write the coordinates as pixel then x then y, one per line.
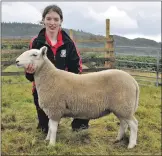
pixel 84 60
pixel 110 59
pixel 136 70
pixel 108 49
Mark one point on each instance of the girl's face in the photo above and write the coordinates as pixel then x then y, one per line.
pixel 52 22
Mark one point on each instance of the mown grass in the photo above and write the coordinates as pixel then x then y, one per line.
pixel 20 136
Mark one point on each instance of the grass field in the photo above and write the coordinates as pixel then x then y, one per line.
pixel 20 136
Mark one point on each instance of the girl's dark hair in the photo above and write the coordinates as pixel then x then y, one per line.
pixel 54 8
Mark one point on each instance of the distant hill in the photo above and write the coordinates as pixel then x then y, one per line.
pixel 139 42
pixel 28 30
pixel 123 45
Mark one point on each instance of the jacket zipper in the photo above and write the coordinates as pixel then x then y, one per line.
pixel 56 50
pixel 50 48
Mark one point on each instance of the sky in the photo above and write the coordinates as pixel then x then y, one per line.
pixel 127 19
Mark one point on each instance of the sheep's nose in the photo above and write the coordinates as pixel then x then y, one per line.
pixel 17 61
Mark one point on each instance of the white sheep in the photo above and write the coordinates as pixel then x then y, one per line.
pixel 84 96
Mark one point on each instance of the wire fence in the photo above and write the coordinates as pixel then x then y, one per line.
pixel 148 74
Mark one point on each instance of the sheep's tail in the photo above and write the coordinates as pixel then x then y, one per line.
pixel 137 96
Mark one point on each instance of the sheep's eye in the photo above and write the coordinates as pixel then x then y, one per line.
pixel 33 55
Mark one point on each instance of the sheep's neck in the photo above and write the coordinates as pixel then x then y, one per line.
pixel 45 68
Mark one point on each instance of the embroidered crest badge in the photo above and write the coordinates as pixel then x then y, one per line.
pixel 63 53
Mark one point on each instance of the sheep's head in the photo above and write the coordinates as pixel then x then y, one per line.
pixel 33 56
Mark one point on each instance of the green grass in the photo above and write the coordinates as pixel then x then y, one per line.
pixel 20 136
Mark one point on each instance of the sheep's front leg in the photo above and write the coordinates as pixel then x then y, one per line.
pixel 52 131
pixel 49 133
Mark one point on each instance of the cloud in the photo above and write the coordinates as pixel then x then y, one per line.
pixel 20 12
pixel 118 18
pixel 126 18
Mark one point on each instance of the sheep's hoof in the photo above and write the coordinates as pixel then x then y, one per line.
pixel 131 146
pixel 118 139
pixel 47 139
pixel 51 144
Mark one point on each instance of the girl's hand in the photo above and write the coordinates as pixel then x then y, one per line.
pixel 30 69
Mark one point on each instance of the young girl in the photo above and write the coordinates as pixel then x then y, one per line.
pixel 61 52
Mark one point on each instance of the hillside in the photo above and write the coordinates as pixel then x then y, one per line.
pixel 28 30
pixel 139 42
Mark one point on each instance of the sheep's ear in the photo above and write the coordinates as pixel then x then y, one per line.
pixel 43 51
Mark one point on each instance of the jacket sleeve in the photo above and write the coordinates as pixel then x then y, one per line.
pixel 29 76
pixel 74 60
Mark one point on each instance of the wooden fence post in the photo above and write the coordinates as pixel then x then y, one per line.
pixel 157 69
pixel 109 45
pixel 107 28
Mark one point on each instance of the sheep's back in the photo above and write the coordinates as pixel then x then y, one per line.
pixel 113 90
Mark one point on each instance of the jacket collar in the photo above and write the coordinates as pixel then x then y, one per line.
pixel 41 36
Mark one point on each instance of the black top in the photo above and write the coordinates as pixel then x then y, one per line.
pixel 67 57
